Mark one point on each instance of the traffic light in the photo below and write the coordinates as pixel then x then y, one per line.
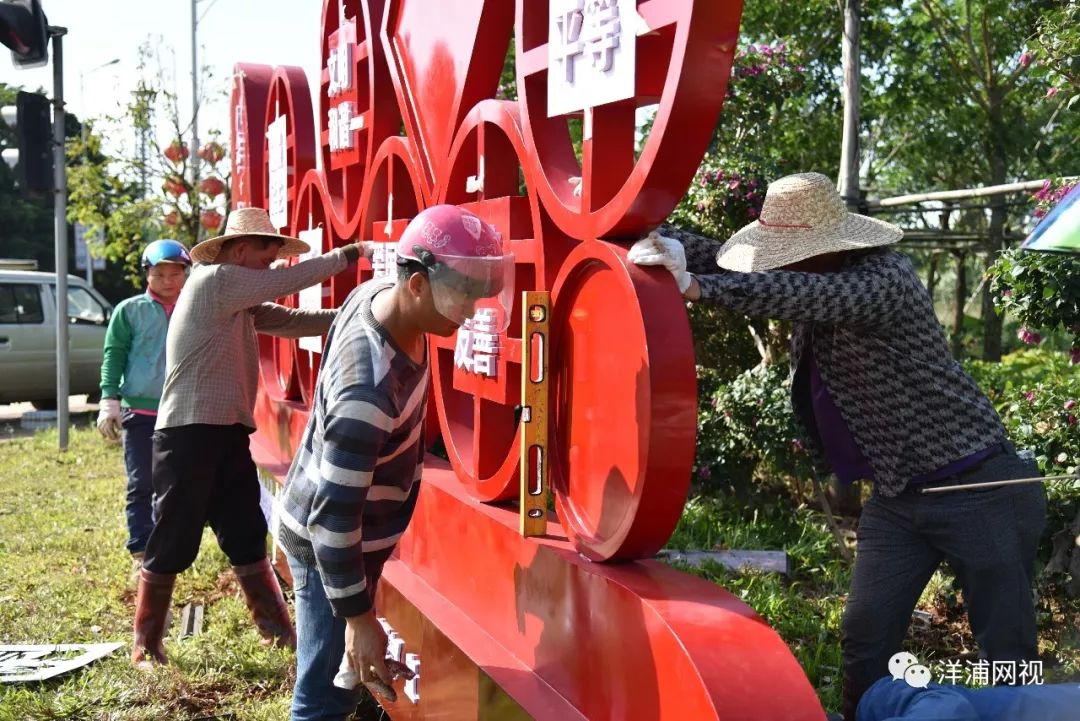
pixel 33 159
pixel 25 30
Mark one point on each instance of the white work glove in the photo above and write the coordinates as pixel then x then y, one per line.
pixel 655 249
pixel 108 420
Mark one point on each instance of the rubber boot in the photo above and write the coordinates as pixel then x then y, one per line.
pixel 268 608
pixel 151 618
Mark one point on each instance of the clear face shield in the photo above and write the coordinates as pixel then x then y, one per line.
pixel 480 289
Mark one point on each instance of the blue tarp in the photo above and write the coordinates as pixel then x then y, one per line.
pixel 896 700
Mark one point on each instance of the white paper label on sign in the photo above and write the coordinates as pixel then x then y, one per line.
pixel 278 172
pixel 384 260
pixel 592 51
pixel 311 298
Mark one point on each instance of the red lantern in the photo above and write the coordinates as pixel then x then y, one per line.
pixel 176 151
pixel 172 218
pixel 212 152
pixel 212 187
pixel 211 219
pixel 174 185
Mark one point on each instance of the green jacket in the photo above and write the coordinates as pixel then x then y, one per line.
pixel 133 368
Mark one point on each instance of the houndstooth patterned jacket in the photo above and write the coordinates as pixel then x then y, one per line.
pixel 880 349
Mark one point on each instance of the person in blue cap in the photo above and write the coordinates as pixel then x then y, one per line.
pixel 132 376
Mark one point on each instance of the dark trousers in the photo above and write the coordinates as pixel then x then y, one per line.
pixel 138 460
pixel 988 537
pixel 204 474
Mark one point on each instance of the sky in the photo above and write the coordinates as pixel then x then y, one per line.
pixel 274 32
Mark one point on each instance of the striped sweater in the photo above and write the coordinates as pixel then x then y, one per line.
pixel 353 484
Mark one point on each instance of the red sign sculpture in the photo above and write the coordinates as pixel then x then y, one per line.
pixel 503 626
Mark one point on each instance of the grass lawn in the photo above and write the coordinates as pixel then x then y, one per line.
pixel 64 579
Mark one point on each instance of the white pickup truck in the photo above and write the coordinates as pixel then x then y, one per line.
pixel 28 337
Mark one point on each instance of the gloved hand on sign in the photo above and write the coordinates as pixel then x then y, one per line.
pixel 655 249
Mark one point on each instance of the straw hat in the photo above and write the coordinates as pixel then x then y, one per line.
pixel 247 223
pixel 803 216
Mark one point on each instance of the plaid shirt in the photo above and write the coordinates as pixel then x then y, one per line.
pixel 354 481
pixel 212 354
pixel 881 351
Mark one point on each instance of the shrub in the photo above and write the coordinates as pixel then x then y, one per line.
pixel 1037 394
pixel 747 429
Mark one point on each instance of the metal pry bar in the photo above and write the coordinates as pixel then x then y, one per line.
pixel 996 484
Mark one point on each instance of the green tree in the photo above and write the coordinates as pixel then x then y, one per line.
pixel 1057 50
pixel 138 191
pixel 956 105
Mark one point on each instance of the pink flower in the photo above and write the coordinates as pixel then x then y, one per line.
pixel 732 184
pixel 797 445
pixel 1051 92
pixel 753 212
pixel 1030 395
pixel 1038 212
pixel 1025 59
pixel 1029 336
pixel 703 473
pixel 1069 405
pixel 1007 293
pixel 1071 420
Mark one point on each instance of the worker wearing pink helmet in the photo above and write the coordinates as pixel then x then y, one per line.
pixel 464 259
pixel 353 485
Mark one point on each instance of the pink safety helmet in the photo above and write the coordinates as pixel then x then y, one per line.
pixel 471 275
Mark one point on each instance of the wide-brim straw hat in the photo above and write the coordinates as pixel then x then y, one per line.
pixel 247 223
pixel 803 216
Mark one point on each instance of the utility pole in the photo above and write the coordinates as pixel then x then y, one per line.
pixel 849 147
pixel 195 118
pixel 60 227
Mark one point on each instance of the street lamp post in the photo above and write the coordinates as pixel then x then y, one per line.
pixel 195 20
pixel 195 114
pixel 82 126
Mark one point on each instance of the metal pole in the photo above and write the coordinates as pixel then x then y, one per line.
pixel 849 144
pixel 998 484
pixel 985 192
pixel 60 230
pixel 82 133
pixel 195 119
